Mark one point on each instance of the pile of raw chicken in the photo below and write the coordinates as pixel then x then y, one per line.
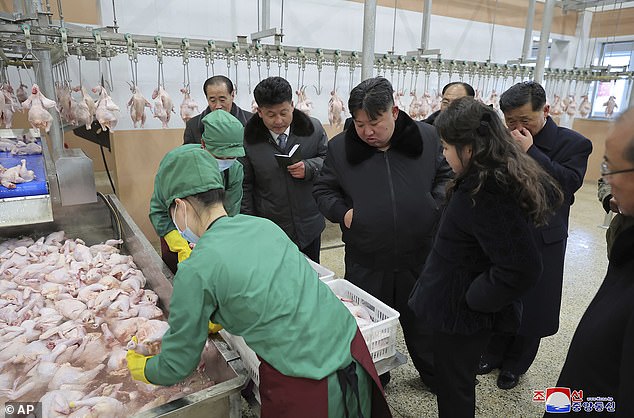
pixel 68 313
pixel 10 177
pixel 25 145
pixel 361 313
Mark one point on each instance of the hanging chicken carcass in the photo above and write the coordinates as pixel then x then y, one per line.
pixel 85 108
pixel 304 104
pixel 610 105
pixel 335 108
pixel 436 102
pixel 397 100
pixel 163 105
pixel 137 105
pixel 414 106
pixel 188 108
pixel 106 112
pixel 557 108
pixel 571 108
pixel 37 104
pixel 11 105
pixel 424 105
pixel 21 93
pixel 67 105
pixel 584 106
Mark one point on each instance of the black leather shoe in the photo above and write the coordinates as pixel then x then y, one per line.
pixel 507 380
pixel 485 367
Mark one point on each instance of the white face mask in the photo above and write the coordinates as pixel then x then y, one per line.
pixel 187 233
pixel 225 164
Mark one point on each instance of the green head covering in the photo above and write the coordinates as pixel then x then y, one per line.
pixel 185 171
pixel 223 134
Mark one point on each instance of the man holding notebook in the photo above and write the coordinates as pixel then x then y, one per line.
pixel 285 151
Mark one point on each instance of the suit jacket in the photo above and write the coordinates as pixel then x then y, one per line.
pixel 194 127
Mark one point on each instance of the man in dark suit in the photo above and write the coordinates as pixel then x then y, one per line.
pixel 564 154
pixel 220 93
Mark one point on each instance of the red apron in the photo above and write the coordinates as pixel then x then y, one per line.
pixel 284 396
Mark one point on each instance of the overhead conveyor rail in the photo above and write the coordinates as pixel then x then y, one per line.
pixel 19 41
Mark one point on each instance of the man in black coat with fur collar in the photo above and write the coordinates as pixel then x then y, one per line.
pixel 283 194
pixel 384 182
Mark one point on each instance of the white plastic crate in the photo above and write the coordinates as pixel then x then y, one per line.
pixel 380 336
pixel 325 275
pixel 250 360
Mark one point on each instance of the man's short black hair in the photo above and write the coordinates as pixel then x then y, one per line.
pixel 522 93
pixel 470 91
pixel 218 79
pixel 374 96
pixel 273 91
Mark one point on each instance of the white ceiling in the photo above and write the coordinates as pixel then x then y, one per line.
pixel 594 5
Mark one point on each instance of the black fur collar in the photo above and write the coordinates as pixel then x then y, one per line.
pixel 406 139
pixel 255 131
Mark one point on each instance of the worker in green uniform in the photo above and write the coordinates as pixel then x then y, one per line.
pixel 245 274
pixel 222 137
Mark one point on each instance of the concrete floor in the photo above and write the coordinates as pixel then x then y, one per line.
pixel 585 267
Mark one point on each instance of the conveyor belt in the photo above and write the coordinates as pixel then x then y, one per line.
pixel 37 187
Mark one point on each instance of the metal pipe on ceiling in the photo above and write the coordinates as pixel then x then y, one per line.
pixel 266 14
pixel 547 22
pixel 424 36
pixel 369 31
pixel 528 32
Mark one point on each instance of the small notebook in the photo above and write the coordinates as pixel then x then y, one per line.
pixel 293 156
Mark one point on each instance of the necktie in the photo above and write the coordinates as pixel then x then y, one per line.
pixel 281 139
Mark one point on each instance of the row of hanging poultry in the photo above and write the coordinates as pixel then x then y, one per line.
pixel 77 107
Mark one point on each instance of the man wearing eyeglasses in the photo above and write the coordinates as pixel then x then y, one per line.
pixel 600 356
pixel 564 154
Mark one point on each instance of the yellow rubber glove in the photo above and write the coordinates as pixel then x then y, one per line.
pixel 178 244
pixel 214 328
pixel 136 364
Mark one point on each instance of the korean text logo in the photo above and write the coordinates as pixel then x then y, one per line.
pixel 560 400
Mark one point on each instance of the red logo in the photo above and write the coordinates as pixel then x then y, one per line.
pixel 577 396
pixel 558 400
pixel 539 396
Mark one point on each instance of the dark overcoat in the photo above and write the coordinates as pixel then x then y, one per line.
pixel 600 360
pixel 564 154
pixel 270 191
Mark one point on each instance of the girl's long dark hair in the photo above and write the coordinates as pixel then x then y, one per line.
pixel 495 154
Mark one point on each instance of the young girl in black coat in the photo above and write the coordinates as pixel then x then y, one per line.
pixel 484 256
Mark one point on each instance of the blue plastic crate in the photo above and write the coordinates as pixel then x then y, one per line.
pixel 37 187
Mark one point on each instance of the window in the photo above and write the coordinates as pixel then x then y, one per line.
pixel 619 55
pixel 535 50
